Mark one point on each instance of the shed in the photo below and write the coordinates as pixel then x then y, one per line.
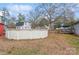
pixel 1 28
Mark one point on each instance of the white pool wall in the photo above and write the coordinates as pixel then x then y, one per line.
pixel 26 34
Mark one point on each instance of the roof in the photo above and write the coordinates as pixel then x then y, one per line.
pixel 11 25
pixel 1 24
pixel 20 24
pixel 76 22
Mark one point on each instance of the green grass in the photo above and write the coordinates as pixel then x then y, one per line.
pixel 73 41
pixel 26 51
pixel 75 44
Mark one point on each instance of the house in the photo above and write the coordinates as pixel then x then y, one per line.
pixel 23 25
pixel 66 29
pixel 11 26
pixel 76 28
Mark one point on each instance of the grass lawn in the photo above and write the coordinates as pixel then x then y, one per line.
pixel 54 44
pixel 74 42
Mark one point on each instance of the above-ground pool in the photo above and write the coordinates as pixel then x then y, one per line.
pixel 26 34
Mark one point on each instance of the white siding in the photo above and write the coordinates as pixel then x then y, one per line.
pixel 76 28
pixel 25 26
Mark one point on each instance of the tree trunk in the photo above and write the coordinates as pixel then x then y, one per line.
pixel 51 26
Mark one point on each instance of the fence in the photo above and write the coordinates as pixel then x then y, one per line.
pixel 26 34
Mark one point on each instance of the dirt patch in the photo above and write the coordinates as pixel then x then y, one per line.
pixel 56 44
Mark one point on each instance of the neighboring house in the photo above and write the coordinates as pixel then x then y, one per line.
pixel 71 29
pixel 65 30
pixel 23 25
pixel 76 28
pixel 11 26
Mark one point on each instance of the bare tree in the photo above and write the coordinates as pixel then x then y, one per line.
pixel 33 16
pixel 68 12
pixel 51 11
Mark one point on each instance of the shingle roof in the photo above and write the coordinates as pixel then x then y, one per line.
pixel 77 22
pixel 20 24
pixel 1 23
pixel 11 25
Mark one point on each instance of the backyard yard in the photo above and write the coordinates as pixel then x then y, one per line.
pixel 54 44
